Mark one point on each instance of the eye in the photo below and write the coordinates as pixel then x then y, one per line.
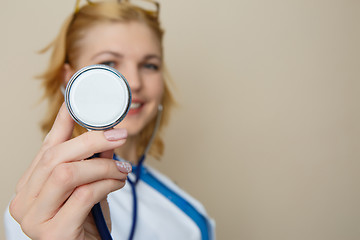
pixel 109 63
pixel 151 66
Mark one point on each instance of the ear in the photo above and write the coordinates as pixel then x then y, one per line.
pixel 68 71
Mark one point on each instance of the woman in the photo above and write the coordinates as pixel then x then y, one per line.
pixel 55 196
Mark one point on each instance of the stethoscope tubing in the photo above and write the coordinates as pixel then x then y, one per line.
pixel 100 222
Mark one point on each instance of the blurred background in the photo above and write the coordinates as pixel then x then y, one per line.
pixel 267 134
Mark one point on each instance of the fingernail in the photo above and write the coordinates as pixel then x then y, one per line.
pixel 123 166
pixel 115 134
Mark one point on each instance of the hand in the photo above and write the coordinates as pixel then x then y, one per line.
pixel 55 195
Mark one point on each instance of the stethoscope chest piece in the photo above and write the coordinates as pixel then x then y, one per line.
pixel 98 97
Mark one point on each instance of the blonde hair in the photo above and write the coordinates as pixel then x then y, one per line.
pixel 65 49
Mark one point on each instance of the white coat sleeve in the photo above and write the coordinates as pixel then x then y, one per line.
pixel 12 228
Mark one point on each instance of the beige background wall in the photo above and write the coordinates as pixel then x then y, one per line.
pixel 267 135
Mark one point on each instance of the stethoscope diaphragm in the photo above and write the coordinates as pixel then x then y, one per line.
pixel 98 97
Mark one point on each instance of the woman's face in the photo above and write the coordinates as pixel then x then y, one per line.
pixel 134 50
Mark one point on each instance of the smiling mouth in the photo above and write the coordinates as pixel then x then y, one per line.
pixel 135 105
pixel 135 108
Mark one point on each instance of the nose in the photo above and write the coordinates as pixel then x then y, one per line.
pixel 133 76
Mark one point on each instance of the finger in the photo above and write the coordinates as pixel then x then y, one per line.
pixel 75 149
pixel 60 132
pixel 78 206
pixel 69 217
pixel 90 143
pixel 66 177
pixel 62 128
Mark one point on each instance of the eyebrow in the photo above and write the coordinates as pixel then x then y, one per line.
pixel 115 54
pixel 151 56
pixel 118 55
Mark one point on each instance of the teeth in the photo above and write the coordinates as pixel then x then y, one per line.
pixel 135 105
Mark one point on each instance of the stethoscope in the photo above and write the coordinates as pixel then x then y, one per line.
pixel 98 97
